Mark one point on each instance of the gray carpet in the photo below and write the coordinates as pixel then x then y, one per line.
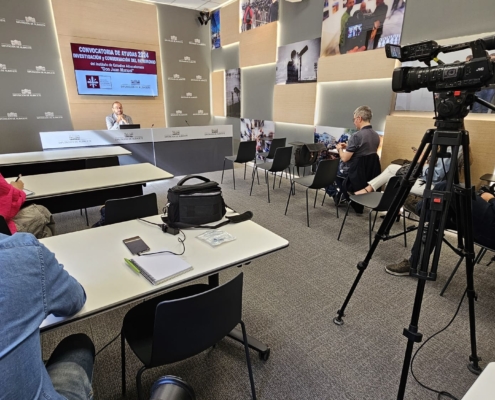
pixel 290 298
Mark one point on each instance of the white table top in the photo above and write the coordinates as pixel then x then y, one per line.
pixel 61 155
pixel 84 180
pixel 95 257
pixel 484 387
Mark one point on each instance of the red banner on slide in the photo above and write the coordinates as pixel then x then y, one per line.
pixel 88 57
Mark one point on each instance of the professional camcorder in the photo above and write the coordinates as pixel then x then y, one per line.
pixel 469 75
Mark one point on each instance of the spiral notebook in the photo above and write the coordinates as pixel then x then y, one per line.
pixel 158 268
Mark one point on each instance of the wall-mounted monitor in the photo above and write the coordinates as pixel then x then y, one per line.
pixel 114 71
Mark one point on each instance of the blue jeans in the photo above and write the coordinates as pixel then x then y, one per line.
pixel 70 367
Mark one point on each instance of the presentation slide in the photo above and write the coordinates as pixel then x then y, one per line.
pixel 113 71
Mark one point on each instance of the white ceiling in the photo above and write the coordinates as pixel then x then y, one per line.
pixel 193 4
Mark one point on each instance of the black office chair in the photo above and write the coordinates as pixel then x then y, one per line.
pixel 172 388
pixel 377 202
pixel 324 177
pixel 246 153
pixel 101 162
pixel 4 228
pixel 119 210
pixel 276 143
pixel 477 260
pixel 181 324
pixel 281 163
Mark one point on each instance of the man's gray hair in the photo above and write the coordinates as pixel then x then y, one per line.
pixel 364 112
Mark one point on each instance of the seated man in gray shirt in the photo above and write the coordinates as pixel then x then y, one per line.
pixel 118 117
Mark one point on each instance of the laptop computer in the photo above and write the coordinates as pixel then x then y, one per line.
pixel 130 126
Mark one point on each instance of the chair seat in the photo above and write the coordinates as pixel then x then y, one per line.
pixel 370 200
pixel 488 178
pixel 231 158
pixel 306 181
pixel 266 165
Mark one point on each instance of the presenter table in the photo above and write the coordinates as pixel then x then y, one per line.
pixel 48 161
pixel 73 190
pixel 95 257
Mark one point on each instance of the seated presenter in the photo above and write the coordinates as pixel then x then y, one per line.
pixel 118 117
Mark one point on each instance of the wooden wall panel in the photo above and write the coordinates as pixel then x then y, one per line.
pixel 218 93
pixel 94 22
pixel 258 46
pixel 230 24
pixel 403 132
pixel 355 66
pixel 120 20
pixel 295 103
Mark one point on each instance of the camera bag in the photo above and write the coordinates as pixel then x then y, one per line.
pixel 195 204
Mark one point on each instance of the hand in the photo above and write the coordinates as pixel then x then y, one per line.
pixel 487 196
pixel 120 118
pixel 18 185
pixel 357 49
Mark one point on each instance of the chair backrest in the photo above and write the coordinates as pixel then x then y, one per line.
pixel 325 174
pixel 102 162
pixel 276 143
pixel 388 195
pixel 246 151
pixel 187 326
pixel 4 228
pixel 361 171
pixel 119 210
pixel 282 158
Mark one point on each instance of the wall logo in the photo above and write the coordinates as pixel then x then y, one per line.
pixel 135 82
pixel 29 21
pixel 12 116
pixel 199 78
pixel 173 39
pixel 3 68
pixel 16 44
pixel 188 60
pixel 200 112
pixel 176 77
pixel 2 19
pixel 26 93
pixel 189 95
pixel 39 69
pixel 197 42
pixel 50 115
pixel 178 113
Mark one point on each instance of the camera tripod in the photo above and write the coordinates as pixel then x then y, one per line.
pixel 449 132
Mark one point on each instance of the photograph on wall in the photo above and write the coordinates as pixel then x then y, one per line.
pixel 298 62
pixel 260 130
pixel 215 30
pixel 422 99
pixel 359 25
pixel 256 13
pixel 233 92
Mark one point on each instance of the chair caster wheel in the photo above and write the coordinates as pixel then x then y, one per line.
pixel 265 355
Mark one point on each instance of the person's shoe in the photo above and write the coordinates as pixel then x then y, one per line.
pixel 399 269
pixel 411 202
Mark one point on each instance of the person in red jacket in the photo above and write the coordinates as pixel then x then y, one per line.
pixel 33 219
pixel 248 16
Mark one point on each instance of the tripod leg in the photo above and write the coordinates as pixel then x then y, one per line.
pixel 452 275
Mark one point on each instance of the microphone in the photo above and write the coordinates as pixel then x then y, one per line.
pixel 187 122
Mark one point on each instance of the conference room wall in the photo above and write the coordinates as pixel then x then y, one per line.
pixel 183 23
pixel 91 22
pixel 225 57
pixel 21 133
pixel 236 129
pixel 257 86
pixel 299 21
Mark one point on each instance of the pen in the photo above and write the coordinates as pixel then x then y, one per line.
pixel 19 177
pixel 131 265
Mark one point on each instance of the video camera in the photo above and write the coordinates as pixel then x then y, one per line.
pixel 468 75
